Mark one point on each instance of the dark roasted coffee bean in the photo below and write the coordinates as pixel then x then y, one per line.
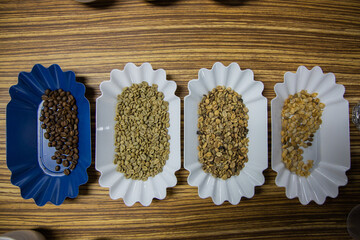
pixel 59 119
pixel 65 163
pixel 53 157
pixel 66 171
pixel 75 156
pixel 57 154
pixel 72 166
pixel 57 168
pixel 46 135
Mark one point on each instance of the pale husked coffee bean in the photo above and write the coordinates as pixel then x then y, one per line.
pixel 300 119
pixel 141 132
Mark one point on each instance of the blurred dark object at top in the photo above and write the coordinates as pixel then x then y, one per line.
pixel 162 2
pixel 232 2
pixel 98 3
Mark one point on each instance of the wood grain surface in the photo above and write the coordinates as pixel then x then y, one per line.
pixel 270 37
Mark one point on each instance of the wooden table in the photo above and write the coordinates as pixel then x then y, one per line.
pixel 270 37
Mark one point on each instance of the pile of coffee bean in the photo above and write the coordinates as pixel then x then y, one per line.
pixel 222 133
pixel 59 119
pixel 301 118
pixel 142 144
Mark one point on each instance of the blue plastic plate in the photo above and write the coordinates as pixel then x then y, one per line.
pixel 27 155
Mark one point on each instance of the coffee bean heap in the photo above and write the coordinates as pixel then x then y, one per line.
pixel 142 144
pixel 222 133
pixel 59 117
pixel 301 118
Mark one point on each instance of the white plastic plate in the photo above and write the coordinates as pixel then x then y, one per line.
pixel 331 146
pixel 243 185
pixel 134 190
